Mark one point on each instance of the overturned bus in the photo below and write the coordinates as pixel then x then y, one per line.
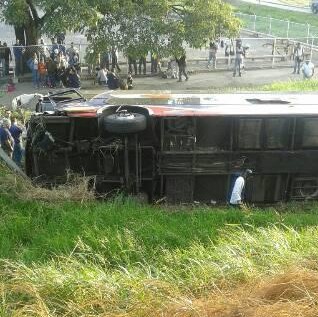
pixel 180 147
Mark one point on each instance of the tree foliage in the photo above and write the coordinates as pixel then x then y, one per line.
pixel 134 26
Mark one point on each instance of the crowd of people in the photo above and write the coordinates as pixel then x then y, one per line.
pixel 11 132
pixel 56 65
pixel 51 65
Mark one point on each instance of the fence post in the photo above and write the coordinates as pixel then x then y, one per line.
pixel 288 26
pixel 254 22
pixel 311 47
pixel 308 32
pixel 270 26
pixel 274 49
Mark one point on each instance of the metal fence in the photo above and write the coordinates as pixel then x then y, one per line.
pixel 278 28
pixel 266 52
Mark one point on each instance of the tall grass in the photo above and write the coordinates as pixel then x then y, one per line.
pixel 120 258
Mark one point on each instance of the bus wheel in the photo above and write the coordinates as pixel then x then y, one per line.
pixel 125 122
pixel 309 188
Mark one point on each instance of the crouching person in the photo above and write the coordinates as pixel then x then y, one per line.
pixel 308 69
pixel 236 199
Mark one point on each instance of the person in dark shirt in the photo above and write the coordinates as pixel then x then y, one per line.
pixel 16 133
pixel 181 61
pixel 112 80
pixel 7 58
pixel 73 79
pixel 6 139
pixel 18 55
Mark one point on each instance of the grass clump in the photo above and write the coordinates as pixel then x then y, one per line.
pixel 76 188
pixel 292 85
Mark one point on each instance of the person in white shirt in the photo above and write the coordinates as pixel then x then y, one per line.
pixel 236 195
pixel 308 69
pixel 101 76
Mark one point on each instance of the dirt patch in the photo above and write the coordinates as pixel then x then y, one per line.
pixel 292 294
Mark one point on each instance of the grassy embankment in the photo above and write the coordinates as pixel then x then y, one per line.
pixel 83 258
pixel 298 27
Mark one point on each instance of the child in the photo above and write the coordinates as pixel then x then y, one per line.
pixel 130 82
pixel 42 73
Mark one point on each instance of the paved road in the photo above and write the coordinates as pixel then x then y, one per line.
pixel 206 82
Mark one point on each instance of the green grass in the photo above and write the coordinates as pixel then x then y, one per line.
pixel 298 26
pixel 59 258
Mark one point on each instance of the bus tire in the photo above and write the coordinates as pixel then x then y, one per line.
pixel 124 122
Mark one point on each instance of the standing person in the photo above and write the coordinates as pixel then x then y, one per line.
pixel 130 82
pixel 112 80
pixel 239 59
pixel 238 188
pixel 51 72
pixel 6 139
pixel 308 69
pixel 2 61
pixel 299 57
pixel 107 57
pixel 73 56
pixel 43 49
pixel 73 79
pixel 18 56
pixel 143 63
pixel 213 48
pixel 42 73
pixel 115 59
pixel 35 71
pixel 7 58
pixel 182 65
pixel 132 63
pixel 16 133
pixel 101 76
pixel 154 63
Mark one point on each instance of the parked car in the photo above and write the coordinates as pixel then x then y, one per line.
pixel 181 147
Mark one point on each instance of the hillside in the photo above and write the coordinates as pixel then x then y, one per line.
pixel 79 257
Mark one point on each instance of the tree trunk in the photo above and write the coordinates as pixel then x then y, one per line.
pixel 19 34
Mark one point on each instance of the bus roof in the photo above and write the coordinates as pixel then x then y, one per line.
pixel 191 104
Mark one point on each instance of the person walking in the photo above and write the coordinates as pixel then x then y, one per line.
pixel 299 57
pixel 213 48
pixel 182 65
pixel 238 188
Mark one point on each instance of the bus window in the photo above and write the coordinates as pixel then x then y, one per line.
pixel 310 133
pixel 276 133
pixel 249 134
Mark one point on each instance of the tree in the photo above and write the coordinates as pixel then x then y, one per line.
pixel 36 17
pixel 133 26
pixel 162 26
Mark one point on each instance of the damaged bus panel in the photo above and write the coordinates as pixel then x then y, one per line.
pixel 181 147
